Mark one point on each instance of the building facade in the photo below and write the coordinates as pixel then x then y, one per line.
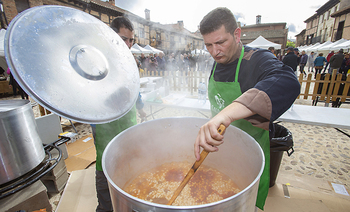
pixel 320 26
pixel 342 21
pixel 169 38
pixel 274 32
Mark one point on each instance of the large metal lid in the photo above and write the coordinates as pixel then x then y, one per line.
pixel 72 64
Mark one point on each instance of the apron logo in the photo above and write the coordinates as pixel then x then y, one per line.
pixel 220 101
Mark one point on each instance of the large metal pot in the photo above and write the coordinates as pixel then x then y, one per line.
pixel 21 148
pixel 153 143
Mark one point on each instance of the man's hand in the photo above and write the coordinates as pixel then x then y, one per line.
pixel 208 137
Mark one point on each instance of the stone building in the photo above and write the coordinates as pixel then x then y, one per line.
pixel 320 26
pixel 169 38
pixel 274 32
pixel 300 38
pixel 342 21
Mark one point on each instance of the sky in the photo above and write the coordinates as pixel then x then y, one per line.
pixel 191 12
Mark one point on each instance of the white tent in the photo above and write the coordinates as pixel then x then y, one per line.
pixel 329 46
pixel 154 50
pixel 199 51
pixel 345 45
pixel 261 42
pixel 135 51
pixel 138 49
pixel 316 48
pixel 310 47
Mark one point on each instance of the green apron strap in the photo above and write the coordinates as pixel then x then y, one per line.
pixel 222 94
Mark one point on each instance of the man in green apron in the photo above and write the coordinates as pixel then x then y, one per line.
pixel 104 133
pixel 248 88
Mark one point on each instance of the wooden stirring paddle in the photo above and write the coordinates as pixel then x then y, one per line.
pixel 194 168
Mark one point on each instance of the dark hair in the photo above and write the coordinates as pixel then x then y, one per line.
pixel 121 22
pixel 216 18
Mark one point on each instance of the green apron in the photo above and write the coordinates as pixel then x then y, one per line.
pixel 106 132
pixel 221 94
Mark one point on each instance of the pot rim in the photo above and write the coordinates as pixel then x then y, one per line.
pixel 170 206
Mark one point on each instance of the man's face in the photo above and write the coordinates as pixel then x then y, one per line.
pixel 222 45
pixel 127 36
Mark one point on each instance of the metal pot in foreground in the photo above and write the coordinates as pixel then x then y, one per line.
pixel 21 147
pixel 153 143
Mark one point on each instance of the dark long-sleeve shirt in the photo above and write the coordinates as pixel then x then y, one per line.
pixel 268 86
pixel 291 60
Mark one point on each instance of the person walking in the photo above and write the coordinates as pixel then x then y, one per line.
pixel 247 88
pixel 336 61
pixel 327 63
pixel 104 133
pixel 303 61
pixel 310 62
pixel 319 63
pixel 291 59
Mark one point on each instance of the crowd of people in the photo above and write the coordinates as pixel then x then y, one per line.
pixel 312 63
pixel 317 63
pixel 180 62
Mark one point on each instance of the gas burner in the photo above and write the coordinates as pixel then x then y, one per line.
pixel 34 175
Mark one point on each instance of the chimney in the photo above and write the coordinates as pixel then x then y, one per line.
pixel 148 14
pixel 180 24
pixel 112 2
pixel 258 19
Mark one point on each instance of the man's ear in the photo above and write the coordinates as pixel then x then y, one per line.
pixel 237 35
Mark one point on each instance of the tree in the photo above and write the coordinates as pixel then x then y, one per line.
pixel 290 44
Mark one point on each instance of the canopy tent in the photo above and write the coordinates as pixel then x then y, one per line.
pixel 329 46
pixel 316 48
pixel 136 49
pixel 154 50
pixel 262 43
pixel 301 48
pixel 345 45
pixel 310 47
pixel 199 51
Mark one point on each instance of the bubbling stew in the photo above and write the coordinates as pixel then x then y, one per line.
pixel 159 184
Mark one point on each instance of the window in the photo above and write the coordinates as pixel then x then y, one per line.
pixel 328 14
pixel 340 29
pixel 141 33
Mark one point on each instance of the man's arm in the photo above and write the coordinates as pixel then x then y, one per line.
pixel 208 137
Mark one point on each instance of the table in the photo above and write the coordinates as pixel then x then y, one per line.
pixel 301 114
pixel 319 116
pixel 144 80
